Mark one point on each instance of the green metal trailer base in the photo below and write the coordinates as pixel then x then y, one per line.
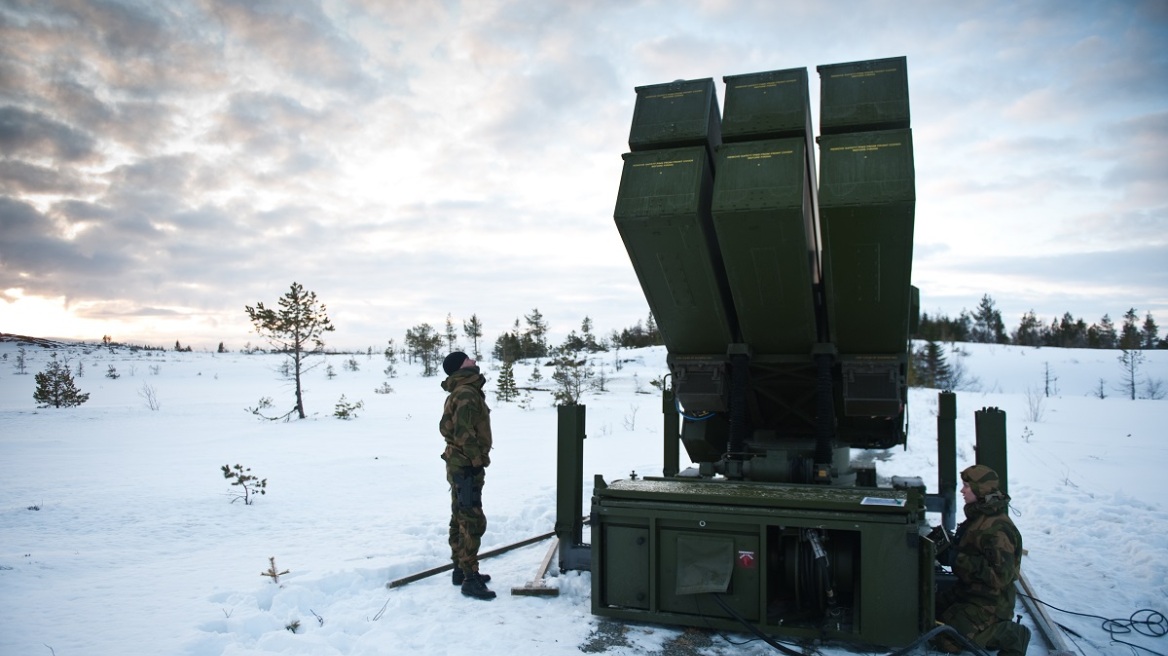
pixel 799 561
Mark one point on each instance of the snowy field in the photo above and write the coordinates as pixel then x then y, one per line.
pixel 118 534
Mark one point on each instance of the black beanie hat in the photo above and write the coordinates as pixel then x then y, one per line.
pixel 453 362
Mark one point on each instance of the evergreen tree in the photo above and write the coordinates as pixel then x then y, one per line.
pixel 1130 360
pixel 571 378
pixel 390 359
pixel 55 387
pixel 534 341
pixel 473 329
pixel 585 341
pixel 655 337
pixel 21 356
pixel 424 343
pixel 941 328
pixel 508 346
pixel 1029 332
pixel 451 335
pixel 931 368
pixel 507 390
pixel 1150 332
pixel 988 327
pixel 1130 336
pixel 1072 332
pixel 1102 335
pixel 637 336
pixel 297 329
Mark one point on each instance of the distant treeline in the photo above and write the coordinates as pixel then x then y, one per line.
pixel 985 325
pixel 528 338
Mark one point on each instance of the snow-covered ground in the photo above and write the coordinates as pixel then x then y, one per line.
pixel 118 534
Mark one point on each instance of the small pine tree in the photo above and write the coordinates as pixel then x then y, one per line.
pixel 55 387
pixel 507 391
pixel 1130 360
pixel 243 478
pixel 572 377
pixel 345 410
pixel 930 368
pixel 20 362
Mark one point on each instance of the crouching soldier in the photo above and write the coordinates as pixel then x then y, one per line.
pixel 988 554
pixel 466 427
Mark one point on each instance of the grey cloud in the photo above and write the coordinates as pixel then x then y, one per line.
pixel 1140 144
pixel 32 134
pixel 299 38
pixel 138 124
pixel 250 111
pixel 18 177
pixel 143 49
pixel 39 259
pixel 170 174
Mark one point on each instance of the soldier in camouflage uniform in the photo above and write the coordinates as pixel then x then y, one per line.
pixel 466 427
pixel 988 554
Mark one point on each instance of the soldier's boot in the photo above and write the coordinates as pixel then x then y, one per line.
pixel 1010 637
pixel 457 576
pixel 474 586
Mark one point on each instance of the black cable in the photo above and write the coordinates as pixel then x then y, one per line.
pixel 754 629
pixel 943 628
pixel 1145 621
pixel 938 630
pixel 706 620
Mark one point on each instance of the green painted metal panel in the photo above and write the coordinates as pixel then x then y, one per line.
pixel 867 203
pixel 663 216
pixel 864 95
pixel 767 105
pixel 626 573
pixel 763 218
pixel 676 114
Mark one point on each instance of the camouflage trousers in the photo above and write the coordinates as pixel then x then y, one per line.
pixel 984 629
pixel 467 520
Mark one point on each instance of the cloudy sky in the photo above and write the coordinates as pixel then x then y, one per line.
pixel 164 164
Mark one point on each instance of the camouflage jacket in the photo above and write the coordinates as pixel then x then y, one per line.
pixel 989 554
pixel 466 420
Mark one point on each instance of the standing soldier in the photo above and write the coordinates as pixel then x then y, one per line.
pixel 980 605
pixel 466 426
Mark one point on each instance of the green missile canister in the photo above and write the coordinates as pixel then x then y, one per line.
pixel 676 114
pixel 663 216
pixel 863 96
pixel 867 201
pixel 767 105
pixel 762 216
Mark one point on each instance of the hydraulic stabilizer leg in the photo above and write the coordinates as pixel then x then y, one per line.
pixel 574 553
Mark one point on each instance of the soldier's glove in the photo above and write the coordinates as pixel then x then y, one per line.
pixel 469 494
